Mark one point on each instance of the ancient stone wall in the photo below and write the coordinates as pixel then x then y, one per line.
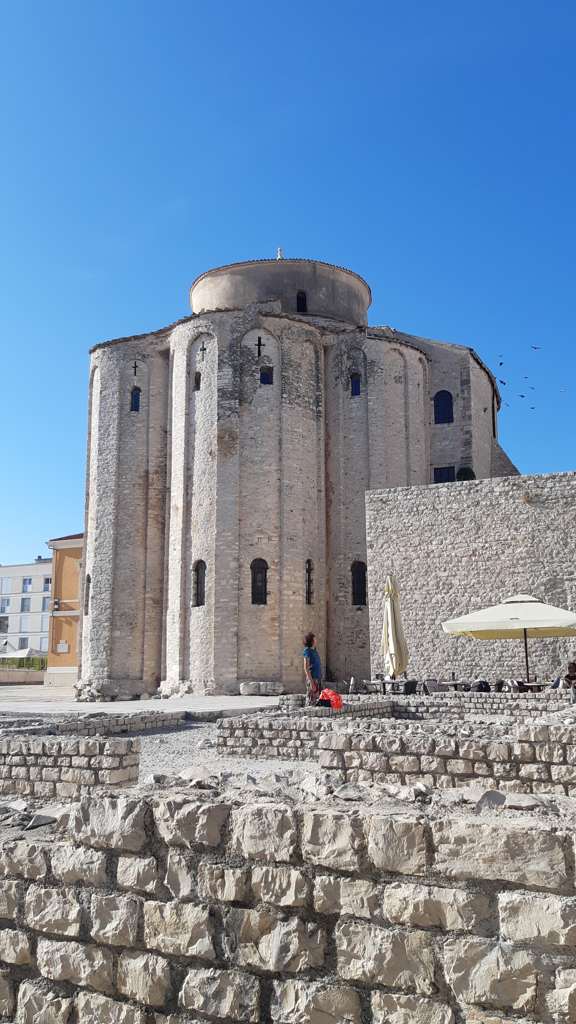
pixel 187 907
pixel 535 759
pixel 458 547
pixel 47 767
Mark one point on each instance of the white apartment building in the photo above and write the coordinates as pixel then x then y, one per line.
pixel 25 596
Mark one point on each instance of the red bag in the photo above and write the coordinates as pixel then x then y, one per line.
pixel 334 699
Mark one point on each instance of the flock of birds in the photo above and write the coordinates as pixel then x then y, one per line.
pixel 526 387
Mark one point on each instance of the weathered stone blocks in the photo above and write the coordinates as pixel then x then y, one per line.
pixel 395 1009
pixel 469 849
pixel 178 928
pixel 427 906
pixel 397 845
pixel 78 864
pixel 115 919
pixel 265 940
pixel 355 896
pixel 96 1009
pixel 491 974
pixel 332 839
pixel 382 956
pixel 184 822
pixel 110 822
pixel 79 963
pixel 36 1004
pixel 144 977
pixel 541 920
pixel 52 910
pixel 303 1002
pixel 15 947
pixel 223 994
pixel 265 832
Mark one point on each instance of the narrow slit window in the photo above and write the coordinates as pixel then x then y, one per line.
pixel 87 586
pixel 355 384
pixel 199 583
pixel 135 399
pixel 358 570
pixel 309 581
pixel 266 374
pixel 259 572
pixel 197 380
pixel 301 303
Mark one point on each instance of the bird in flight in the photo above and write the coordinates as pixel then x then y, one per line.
pixel 521 396
pixel 535 347
pixel 501 381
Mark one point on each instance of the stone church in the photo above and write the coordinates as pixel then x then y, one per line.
pixel 228 459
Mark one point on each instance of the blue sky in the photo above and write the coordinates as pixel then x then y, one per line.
pixel 430 147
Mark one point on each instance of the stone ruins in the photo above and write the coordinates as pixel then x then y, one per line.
pixel 408 860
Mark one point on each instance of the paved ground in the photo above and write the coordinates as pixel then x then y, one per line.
pixel 48 700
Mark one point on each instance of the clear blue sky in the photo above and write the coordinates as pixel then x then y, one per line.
pixel 430 147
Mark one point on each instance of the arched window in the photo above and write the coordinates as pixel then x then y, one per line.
pixel 197 380
pixel 355 384
pixel 358 583
pixel 87 585
pixel 199 583
pixel 301 303
pixel 309 581
pixel 465 473
pixel 135 399
pixel 443 407
pixel 259 571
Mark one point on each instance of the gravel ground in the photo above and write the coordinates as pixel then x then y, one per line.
pixel 169 753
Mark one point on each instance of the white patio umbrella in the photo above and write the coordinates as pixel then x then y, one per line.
pixel 393 648
pixel 517 618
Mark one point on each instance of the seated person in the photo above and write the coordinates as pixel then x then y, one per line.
pixel 567 682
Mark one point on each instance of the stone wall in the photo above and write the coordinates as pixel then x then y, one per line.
pixel 458 547
pixel 536 759
pixel 46 767
pixel 100 724
pixel 187 907
pixel 462 705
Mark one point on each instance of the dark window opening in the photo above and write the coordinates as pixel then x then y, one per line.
pixel 199 583
pixel 493 417
pixel 355 384
pixel 301 303
pixel 266 374
pixel 358 583
pixel 197 380
pixel 309 581
pixel 443 407
pixel 259 571
pixel 444 474
pixel 465 473
pixel 135 399
pixel 87 586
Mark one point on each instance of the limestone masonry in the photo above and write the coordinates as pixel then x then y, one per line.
pixel 453 549
pixel 228 459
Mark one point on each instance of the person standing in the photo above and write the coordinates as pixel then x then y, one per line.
pixel 312 669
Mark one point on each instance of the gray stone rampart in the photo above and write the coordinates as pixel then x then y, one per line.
pixel 152 909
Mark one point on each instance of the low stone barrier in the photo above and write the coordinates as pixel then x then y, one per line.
pixel 97 724
pixel 538 759
pixel 49 767
pixel 439 705
pixel 191 907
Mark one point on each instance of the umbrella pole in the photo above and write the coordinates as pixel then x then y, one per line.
pixel 526 655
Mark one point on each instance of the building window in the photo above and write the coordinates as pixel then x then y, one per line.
pixel 24 604
pixel 87 585
pixel 358 571
pixel 199 583
pixel 23 643
pixel 4 605
pixel 3 625
pixel 266 374
pixel 443 407
pixel 43 643
pixel 465 473
pixel 43 623
pixel 301 303
pixel 355 384
pixel 47 584
pixel 5 587
pixel 309 581
pixel 197 380
pixel 45 604
pixel 135 399
pixel 26 584
pixel 259 571
pixel 24 623
pixel 494 417
pixel 444 474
